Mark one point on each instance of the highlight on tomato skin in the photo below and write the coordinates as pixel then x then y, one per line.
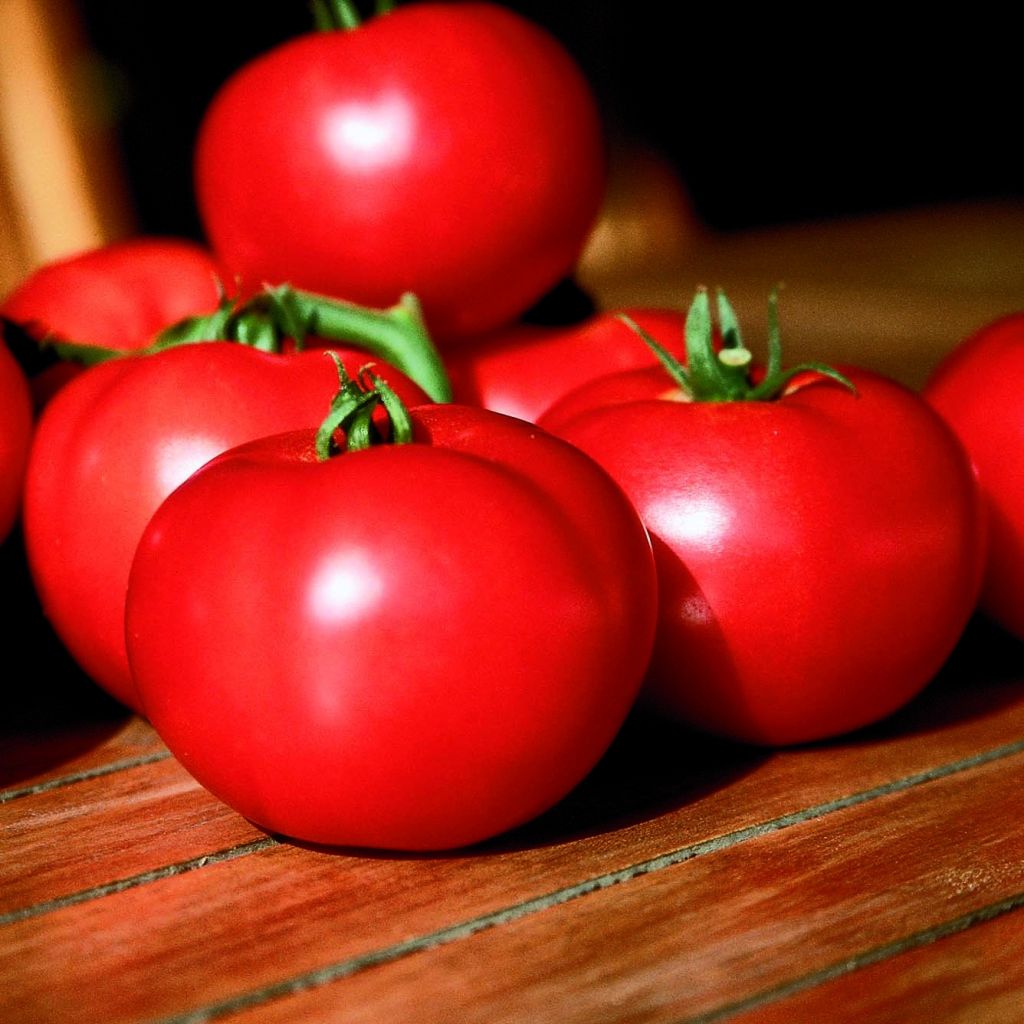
pixel 408 646
pixel 819 553
pixel 976 390
pixel 454 150
pixel 114 442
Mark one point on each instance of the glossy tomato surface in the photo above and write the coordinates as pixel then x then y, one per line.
pixel 15 436
pixel 522 371
pixel 818 556
pixel 414 646
pixel 117 296
pixel 117 440
pixel 449 149
pixel 976 389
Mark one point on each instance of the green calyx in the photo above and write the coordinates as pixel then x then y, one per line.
pixel 725 374
pixel 354 413
pixel 397 334
pixel 335 15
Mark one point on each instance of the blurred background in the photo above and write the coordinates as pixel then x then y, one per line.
pixel 738 122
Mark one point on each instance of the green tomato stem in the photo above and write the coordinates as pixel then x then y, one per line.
pixel 672 366
pixel 352 411
pixel 335 15
pixel 398 335
pixel 724 375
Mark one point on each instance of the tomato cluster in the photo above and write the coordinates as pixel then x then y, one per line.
pixel 386 619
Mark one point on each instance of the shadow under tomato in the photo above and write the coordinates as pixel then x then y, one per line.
pixel 983 675
pixel 51 711
pixel 654 766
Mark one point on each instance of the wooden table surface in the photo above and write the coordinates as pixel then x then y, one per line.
pixel 878 877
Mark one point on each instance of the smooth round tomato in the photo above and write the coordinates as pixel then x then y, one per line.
pixel 117 440
pixel 975 390
pixel 818 555
pixel 523 370
pixel 414 646
pixel 117 296
pixel 15 436
pixel 453 150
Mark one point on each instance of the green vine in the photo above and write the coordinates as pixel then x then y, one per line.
pixel 283 314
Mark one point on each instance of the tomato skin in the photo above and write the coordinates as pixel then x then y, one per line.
pixel 117 440
pixel 15 437
pixel 451 150
pixel 117 296
pixel 522 371
pixel 818 556
pixel 414 646
pixel 976 390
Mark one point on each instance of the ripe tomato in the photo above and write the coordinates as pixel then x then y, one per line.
pixel 974 389
pixel 413 646
pixel 117 296
pixel 523 370
pixel 818 555
pixel 116 441
pixel 15 435
pixel 449 149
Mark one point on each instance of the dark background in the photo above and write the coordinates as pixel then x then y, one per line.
pixel 769 117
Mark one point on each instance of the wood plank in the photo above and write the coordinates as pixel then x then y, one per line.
pixel 107 828
pixel 95 812
pixel 659 791
pixel 36 761
pixel 679 944
pixel 972 976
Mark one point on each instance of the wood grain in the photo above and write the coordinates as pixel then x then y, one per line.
pixel 137 820
pixel 681 943
pixel 659 796
pixel 35 761
pixel 973 976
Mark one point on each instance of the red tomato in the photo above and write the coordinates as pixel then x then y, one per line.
pixel 451 150
pixel 818 555
pixel 975 390
pixel 118 296
pixel 522 371
pixel 414 646
pixel 116 441
pixel 15 436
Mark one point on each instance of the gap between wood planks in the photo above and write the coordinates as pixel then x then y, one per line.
pixel 352 965
pixel 867 958
pixel 6 795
